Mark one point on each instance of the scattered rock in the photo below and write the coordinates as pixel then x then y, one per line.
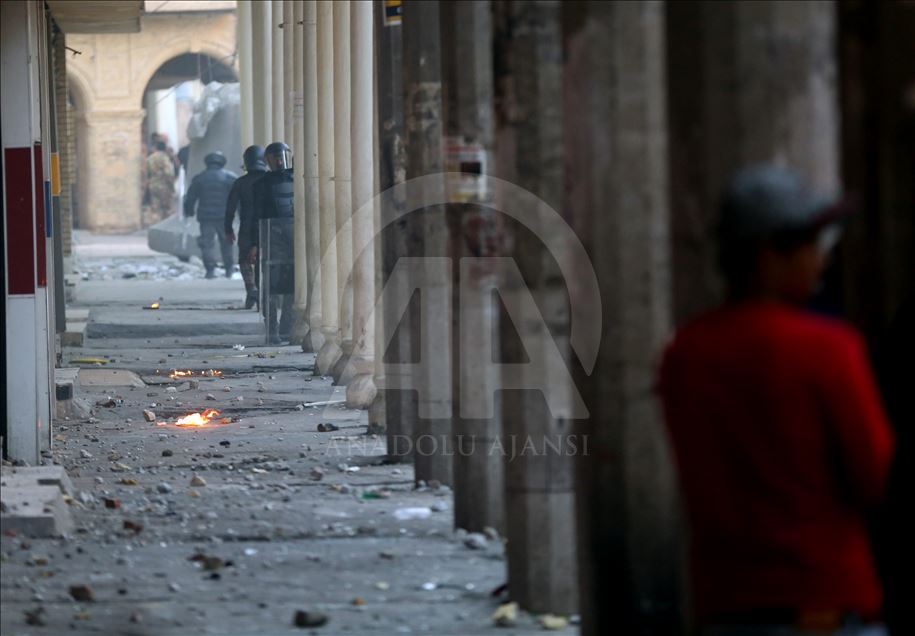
pixel 491 533
pixel 226 388
pixel 149 416
pixel 476 541
pixel 167 452
pixel 112 503
pixel 171 389
pixel 358 601
pixel 309 619
pixel 85 454
pixel 317 473
pixel 82 593
pixel 225 442
pixel 407 514
pixel 173 587
pixel 164 487
pixel 107 402
pixel 133 526
pixel 440 506
pixel 327 427
pixel 210 396
pixel 505 615
pixel 197 480
pixel 551 621
pixel 128 481
pixel 35 616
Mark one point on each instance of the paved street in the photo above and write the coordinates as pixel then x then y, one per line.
pixel 234 527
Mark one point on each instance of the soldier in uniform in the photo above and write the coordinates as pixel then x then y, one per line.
pixel 160 183
pixel 241 198
pixel 274 200
pixel 207 197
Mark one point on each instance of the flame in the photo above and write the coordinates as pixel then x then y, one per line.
pixel 154 306
pixel 198 419
pixel 213 373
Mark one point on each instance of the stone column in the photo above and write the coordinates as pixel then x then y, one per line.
pixel 422 82
pixel 330 350
pixel 245 79
pixel 343 184
pixel 262 70
pixel 295 29
pixel 479 500
pixel 112 197
pixel 539 485
pixel 720 120
pixel 360 391
pixel 278 94
pixel 290 29
pixel 400 407
pixel 617 184
pixel 314 339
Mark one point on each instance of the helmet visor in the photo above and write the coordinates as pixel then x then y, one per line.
pixel 279 160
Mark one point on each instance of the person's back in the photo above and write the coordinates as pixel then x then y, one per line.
pixel 780 438
pixel 210 191
pixel 782 448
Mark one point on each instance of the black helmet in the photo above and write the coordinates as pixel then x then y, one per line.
pixel 254 158
pixel 215 159
pixel 280 154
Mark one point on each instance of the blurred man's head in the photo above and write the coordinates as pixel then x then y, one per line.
pixel 278 156
pixel 774 234
pixel 215 160
pixel 160 145
pixel 253 158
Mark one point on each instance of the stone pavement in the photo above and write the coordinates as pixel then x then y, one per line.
pixel 234 527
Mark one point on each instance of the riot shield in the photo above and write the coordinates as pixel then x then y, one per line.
pixel 277 277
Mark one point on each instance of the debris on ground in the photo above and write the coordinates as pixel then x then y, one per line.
pixel 35 616
pixel 476 541
pixel 317 473
pixel 149 416
pixel 197 481
pixel 82 593
pixel 506 615
pixel 327 427
pixel 407 514
pixel 553 622
pixel 304 618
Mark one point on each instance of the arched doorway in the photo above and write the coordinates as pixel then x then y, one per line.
pixel 169 100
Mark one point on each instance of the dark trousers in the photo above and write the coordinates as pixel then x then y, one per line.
pixel 279 304
pixel 249 267
pixel 212 232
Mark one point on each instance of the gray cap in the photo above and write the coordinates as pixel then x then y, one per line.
pixel 765 201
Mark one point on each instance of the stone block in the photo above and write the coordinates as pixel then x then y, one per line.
pixel 108 378
pixel 36 511
pixel 14 476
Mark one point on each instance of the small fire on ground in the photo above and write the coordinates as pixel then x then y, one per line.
pixel 208 373
pixel 207 418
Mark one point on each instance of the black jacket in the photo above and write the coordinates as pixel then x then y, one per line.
pixel 241 198
pixel 209 192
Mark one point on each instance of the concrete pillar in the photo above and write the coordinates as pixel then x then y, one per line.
pixel 617 188
pixel 296 28
pixel 314 339
pixel 427 228
pixel 720 121
pixel 539 486
pixel 467 94
pixel 343 184
pixel 290 29
pixel 330 350
pixel 262 70
pixel 245 79
pixel 278 92
pixel 360 391
pixel 399 406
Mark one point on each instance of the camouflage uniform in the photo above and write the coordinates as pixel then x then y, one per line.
pixel 160 174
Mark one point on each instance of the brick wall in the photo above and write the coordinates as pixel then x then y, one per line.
pixel 66 142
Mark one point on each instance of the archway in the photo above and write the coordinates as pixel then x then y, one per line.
pixel 168 101
pixel 78 102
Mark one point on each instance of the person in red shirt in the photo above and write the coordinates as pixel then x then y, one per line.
pixel 781 441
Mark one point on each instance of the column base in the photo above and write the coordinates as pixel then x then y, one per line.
pixel 342 371
pixel 361 393
pixel 301 329
pixel 328 355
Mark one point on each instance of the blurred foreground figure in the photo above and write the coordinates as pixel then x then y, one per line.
pixel 207 197
pixel 781 441
pixel 241 198
pixel 274 213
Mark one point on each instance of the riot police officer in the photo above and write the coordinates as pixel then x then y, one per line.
pixel 209 193
pixel 241 198
pixel 274 202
